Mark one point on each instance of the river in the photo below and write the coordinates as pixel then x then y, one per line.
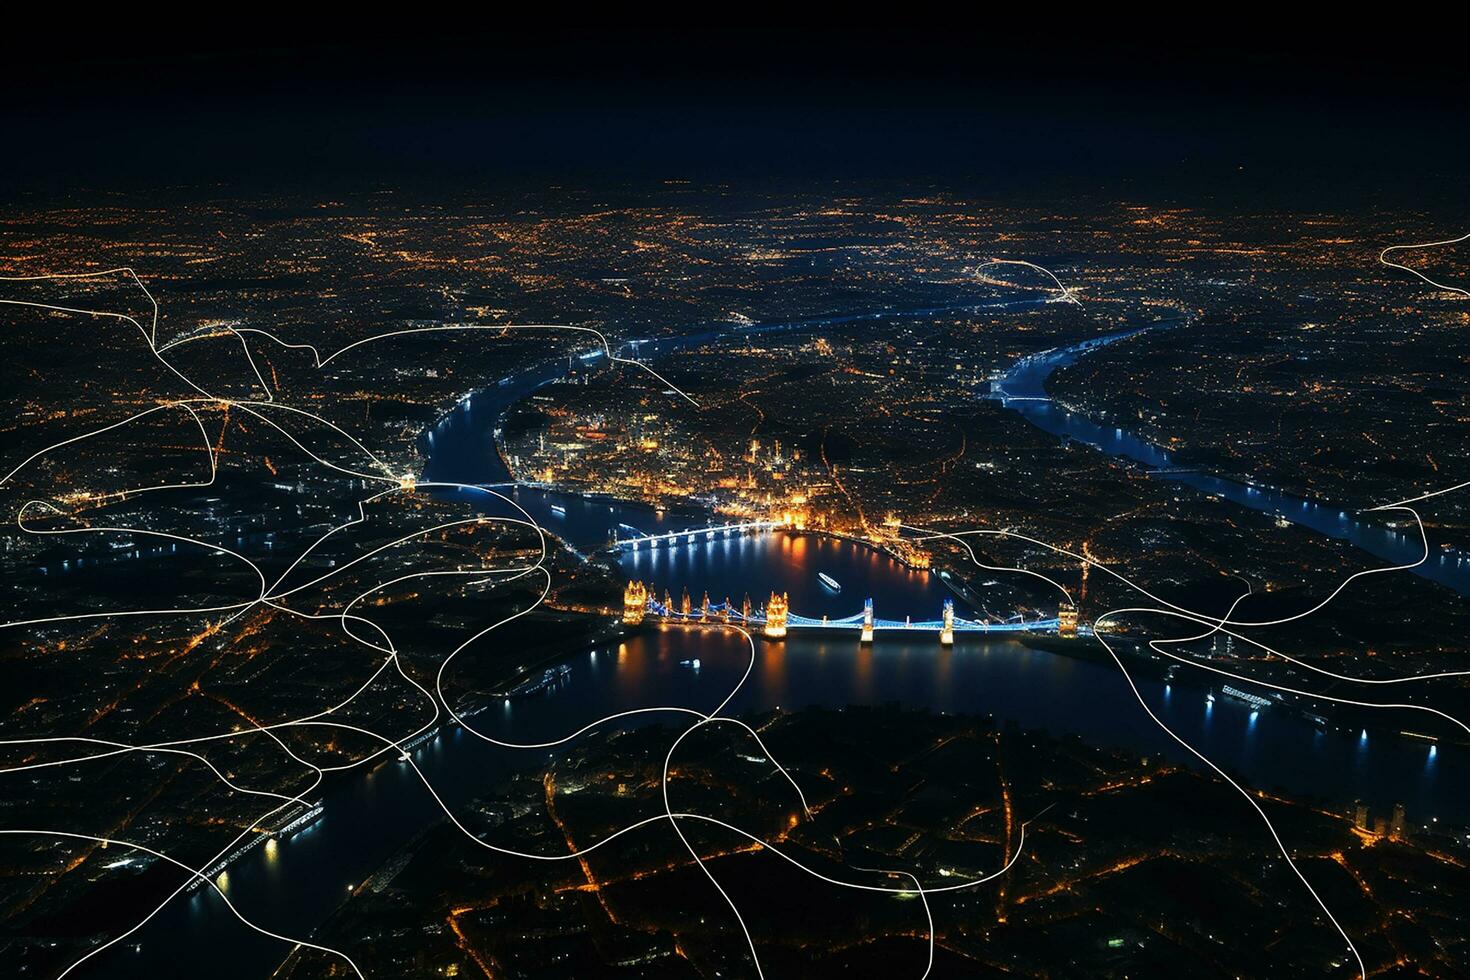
pixel 296 885
pixel 1023 389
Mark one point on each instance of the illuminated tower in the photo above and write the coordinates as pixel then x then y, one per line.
pixel 867 636
pixel 946 632
pixel 1067 619
pixel 1360 815
pixel 704 609
pixel 745 609
pixel 668 603
pixel 684 606
pixel 635 603
pixel 776 616
pixel 725 613
pixel 1396 825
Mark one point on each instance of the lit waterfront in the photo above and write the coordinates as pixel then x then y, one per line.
pixel 368 819
pixel 1023 389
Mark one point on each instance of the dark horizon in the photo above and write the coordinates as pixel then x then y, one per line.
pixel 442 109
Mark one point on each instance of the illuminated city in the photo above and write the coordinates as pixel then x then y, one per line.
pixel 615 504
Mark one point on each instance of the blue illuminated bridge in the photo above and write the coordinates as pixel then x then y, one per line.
pixel 721 613
pixel 639 603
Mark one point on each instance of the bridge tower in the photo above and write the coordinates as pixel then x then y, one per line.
pixel 1067 619
pixel 635 603
pixel 725 613
pixel 867 636
pixel 745 610
pixel 776 616
pixel 684 606
pixel 704 608
pixel 946 632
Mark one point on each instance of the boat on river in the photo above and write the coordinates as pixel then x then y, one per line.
pixel 829 582
pixel 544 681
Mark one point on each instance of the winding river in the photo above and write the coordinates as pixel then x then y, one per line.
pixel 297 884
pixel 1023 388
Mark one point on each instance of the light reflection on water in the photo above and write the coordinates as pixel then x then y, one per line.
pixel 367 820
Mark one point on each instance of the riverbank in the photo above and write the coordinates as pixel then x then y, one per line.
pixel 1409 726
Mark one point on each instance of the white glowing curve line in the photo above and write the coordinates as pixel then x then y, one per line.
pixel 1066 291
pixel 668 809
pixel 572 855
pixel 696 856
pixel 1216 624
pixel 747 934
pixel 1414 500
pixel 1278 687
pixel 1280 844
pixel 209 453
pixel 924 900
pixel 662 817
pixel 239 607
pixel 583 851
pixel 150 335
pixel 209 449
pixel 957 538
pixel 1383 258
pixel 537 603
pixel 1199 617
pixel 318 771
pixel 1126 581
pixel 108 614
pixel 187 404
pixel 152 342
pixel 254 729
pixel 343 618
pixel 265 597
pixel 674 817
pixel 1215 627
pixel 706 720
pixel 257 728
pixel 194 873
pixel 1285 854
pixel 479 573
pixel 120 748
pixel 308 720
pixel 320 361
pixel 712 718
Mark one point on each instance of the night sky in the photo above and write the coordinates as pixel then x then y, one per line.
pixel 1008 103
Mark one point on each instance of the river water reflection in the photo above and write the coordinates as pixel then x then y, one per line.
pixel 367 820
pixel 296 885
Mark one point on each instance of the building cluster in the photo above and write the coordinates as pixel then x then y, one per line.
pixel 1392 827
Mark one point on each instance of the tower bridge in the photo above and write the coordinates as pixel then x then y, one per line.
pixel 775 619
